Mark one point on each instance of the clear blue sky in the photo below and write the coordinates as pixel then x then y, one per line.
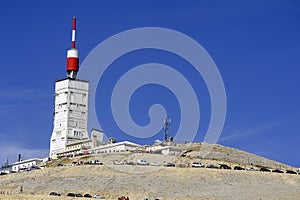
pixel 255 44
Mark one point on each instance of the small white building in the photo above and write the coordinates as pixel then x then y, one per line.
pixel 170 150
pixel 25 164
pixel 165 150
pixel 115 147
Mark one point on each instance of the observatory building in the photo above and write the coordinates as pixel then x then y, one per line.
pixel 70 133
pixel 70 105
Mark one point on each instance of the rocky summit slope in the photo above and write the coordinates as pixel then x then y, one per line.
pixel 160 182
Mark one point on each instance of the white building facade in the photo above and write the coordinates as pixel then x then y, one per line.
pixel 25 164
pixel 82 147
pixel 115 147
pixel 70 114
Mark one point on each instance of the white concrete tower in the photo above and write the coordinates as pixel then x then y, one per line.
pixel 70 106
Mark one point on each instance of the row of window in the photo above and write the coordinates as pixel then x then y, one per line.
pixel 110 151
pixel 78 146
pixel 72 97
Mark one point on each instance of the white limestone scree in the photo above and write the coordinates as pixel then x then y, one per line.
pixel 70 114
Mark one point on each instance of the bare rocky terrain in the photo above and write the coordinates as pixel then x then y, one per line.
pixel 161 182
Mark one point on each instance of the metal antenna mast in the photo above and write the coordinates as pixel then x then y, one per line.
pixel 167 130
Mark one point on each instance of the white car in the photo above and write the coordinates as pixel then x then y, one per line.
pixel 197 164
pixel 251 169
pixel 118 162
pixel 154 164
pixel 97 196
pixel 142 162
pixel 96 162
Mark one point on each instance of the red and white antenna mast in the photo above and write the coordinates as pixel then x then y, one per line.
pixel 72 55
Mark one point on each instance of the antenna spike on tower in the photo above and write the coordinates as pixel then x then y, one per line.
pixel 72 54
pixel 73 31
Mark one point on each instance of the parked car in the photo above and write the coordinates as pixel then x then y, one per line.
pixel 142 162
pixel 277 171
pixel 154 164
pixel 251 169
pixel 96 162
pixel 223 166
pixel 212 166
pixel 74 164
pixel 123 198
pixel 98 196
pixel 291 172
pixel 54 194
pixel 60 165
pixel 168 164
pixel 197 164
pixel 88 196
pixel 79 154
pixel 264 169
pixel 118 162
pixel 71 194
pixel 130 163
pixel 4 173
pixel 238 168
pixel 34 168
pixel 78 195
pixel 23 169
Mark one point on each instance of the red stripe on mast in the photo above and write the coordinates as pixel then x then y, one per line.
pixel 74 23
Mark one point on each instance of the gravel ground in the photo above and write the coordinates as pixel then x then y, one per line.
pixel 161 182
pixel 164 183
